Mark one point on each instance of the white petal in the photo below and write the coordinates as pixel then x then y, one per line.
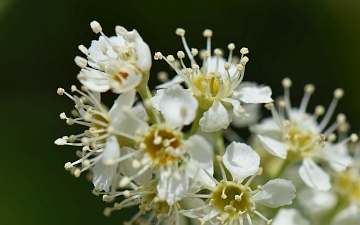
pixel 176 80
pixel 266 125
pixel 111 150
pixel 142 50
pixel 201 154
pixel 216 118
pixel 178 106
pixel 276 193
pixel 348 216
pixel 316 203
pixel 127 168
pixel 337 155
pixel 241 160
pixel 273 146
pixel 289 217
pixel 103 176
pixel 172 187
pixel 157 98
pixel 235 104
pixel 314 176
pixel 95 51
pixel 125 100
pixel 128 84
pixel 94 80
pixel 254 94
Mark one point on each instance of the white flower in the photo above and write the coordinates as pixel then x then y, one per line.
pixel 216 84
pixel 117 63
pixel 295 135
pixel 231 201
pixel 163 147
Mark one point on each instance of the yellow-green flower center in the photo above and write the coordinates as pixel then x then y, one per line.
pixel 160 143
pixel 300 143
pixel 232 199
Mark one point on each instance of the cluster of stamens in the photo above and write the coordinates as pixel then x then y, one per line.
pixel 208 82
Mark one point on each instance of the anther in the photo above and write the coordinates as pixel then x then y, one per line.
pixel 85 163
pixel 207 33
pixel 238 198
pixel 286 82
pixel 338 93
pixel 259 187
pixel 180 54
pixel 83 49
pixel 68 166
pixel 60 141
pixel 319 110
pixel 219 219
pixel 244 60
pixel 63 116
pixel 119 30
pixel 217 52
pixel 260 171
pixel 73 88
pixel 331 137
pixel 341 118
pixel 194 51
pixel 158 56
pixel 95 26
pixel 124 182
pixel 219 158
pixel 107 211
pixel 162 76
pixel 180 32
pixel 269 222
pixel 60 91
pixel 227 66
pixel 170 58
pixel 96 192
pixel 309 88
pixel 106 198
pixel 287 137
pixel 136 164
pixel 354 138
pixel 117 206
pixel 231 46
pixel 127 194
pixel 244 50
pixel 269 106
pixel 239 67
pixel 104 49
pixel 77 173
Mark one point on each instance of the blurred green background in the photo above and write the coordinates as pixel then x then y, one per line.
pixel 309 41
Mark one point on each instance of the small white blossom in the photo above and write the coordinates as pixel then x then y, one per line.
pixel 233 202
pixel 117 63
pixel 216 84
pixel 295 135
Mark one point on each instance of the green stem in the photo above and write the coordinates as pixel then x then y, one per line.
pixel 195 124
pixel 219 142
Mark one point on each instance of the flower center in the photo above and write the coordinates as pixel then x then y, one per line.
pixel 300 143
pixel 349 185
pixel 161 144
pixel 206 86
pixel 232 198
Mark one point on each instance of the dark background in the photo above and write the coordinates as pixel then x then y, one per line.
pixel 309 41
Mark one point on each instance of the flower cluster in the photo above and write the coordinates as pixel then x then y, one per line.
pixel 166 154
